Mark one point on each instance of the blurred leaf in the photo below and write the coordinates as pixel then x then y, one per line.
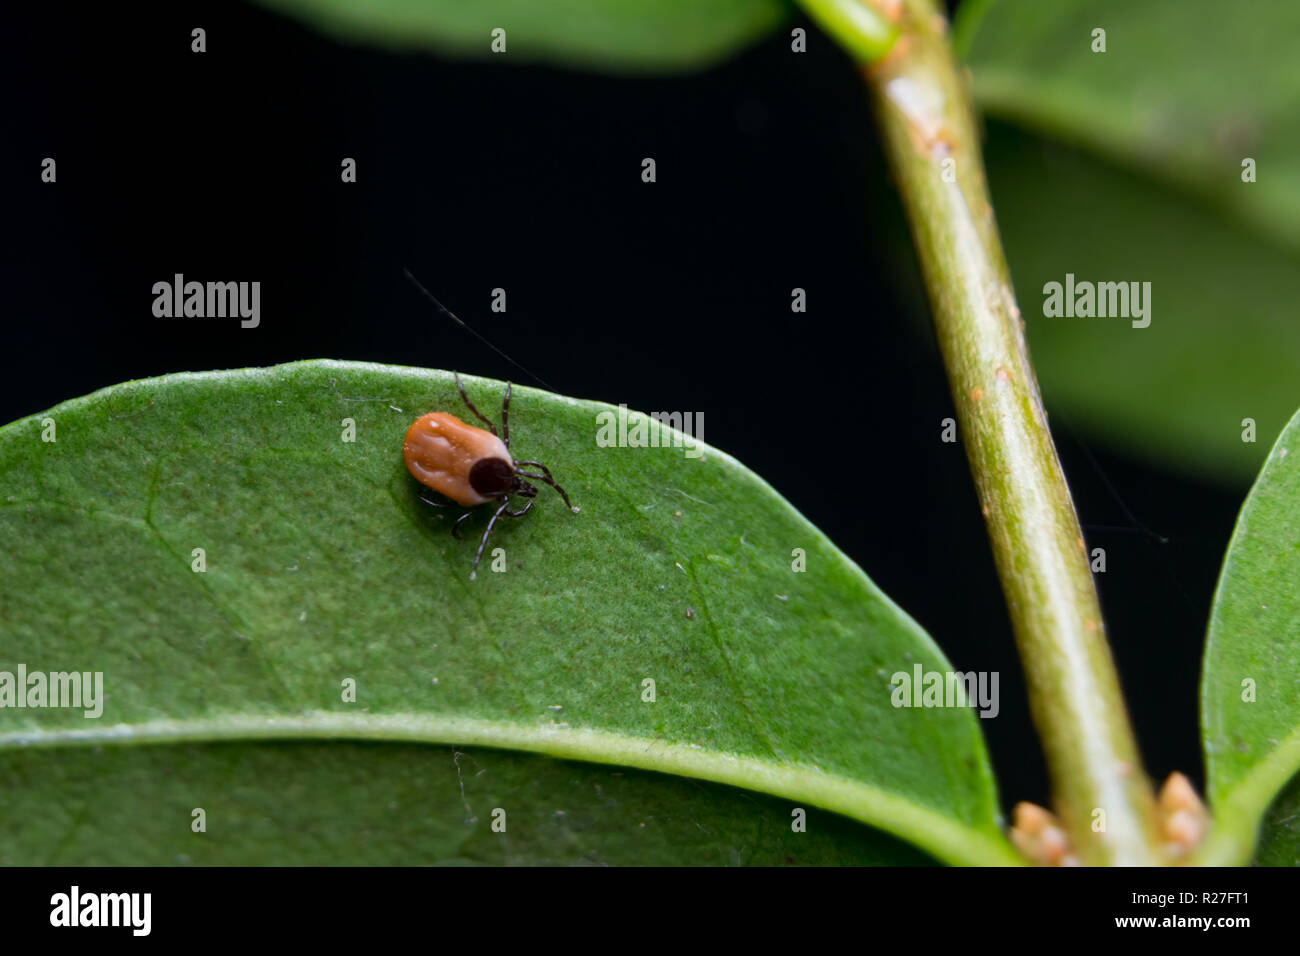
pixel 323 564
pixel 1184 91
pixel 622 36
pixel 1250 688
pixel 1223 344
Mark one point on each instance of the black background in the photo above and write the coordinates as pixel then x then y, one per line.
pixel 674 295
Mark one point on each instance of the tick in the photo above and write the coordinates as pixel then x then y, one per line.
pixel 471 466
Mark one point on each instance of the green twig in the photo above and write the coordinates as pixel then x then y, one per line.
pixel 923 106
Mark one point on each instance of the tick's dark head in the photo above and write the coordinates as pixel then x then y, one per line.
pixel 492 477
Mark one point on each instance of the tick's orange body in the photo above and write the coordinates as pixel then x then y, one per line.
pixel 441 452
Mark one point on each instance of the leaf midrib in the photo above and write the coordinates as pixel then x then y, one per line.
pixel 939 835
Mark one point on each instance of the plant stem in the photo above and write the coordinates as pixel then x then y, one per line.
pixel 924 110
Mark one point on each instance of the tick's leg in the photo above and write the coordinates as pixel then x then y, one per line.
pixel 545 477
pixel 521 512
pixel 470 405
pixel 535 464
pixel 455 529
pixel 505 418
pixel 432 503
pixel 487 531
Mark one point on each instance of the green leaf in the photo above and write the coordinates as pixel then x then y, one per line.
pixel 619 36
pixel 322 564
pixel 1250 688
pixel 1184 92
pixel 317 804
pixel 1279 835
